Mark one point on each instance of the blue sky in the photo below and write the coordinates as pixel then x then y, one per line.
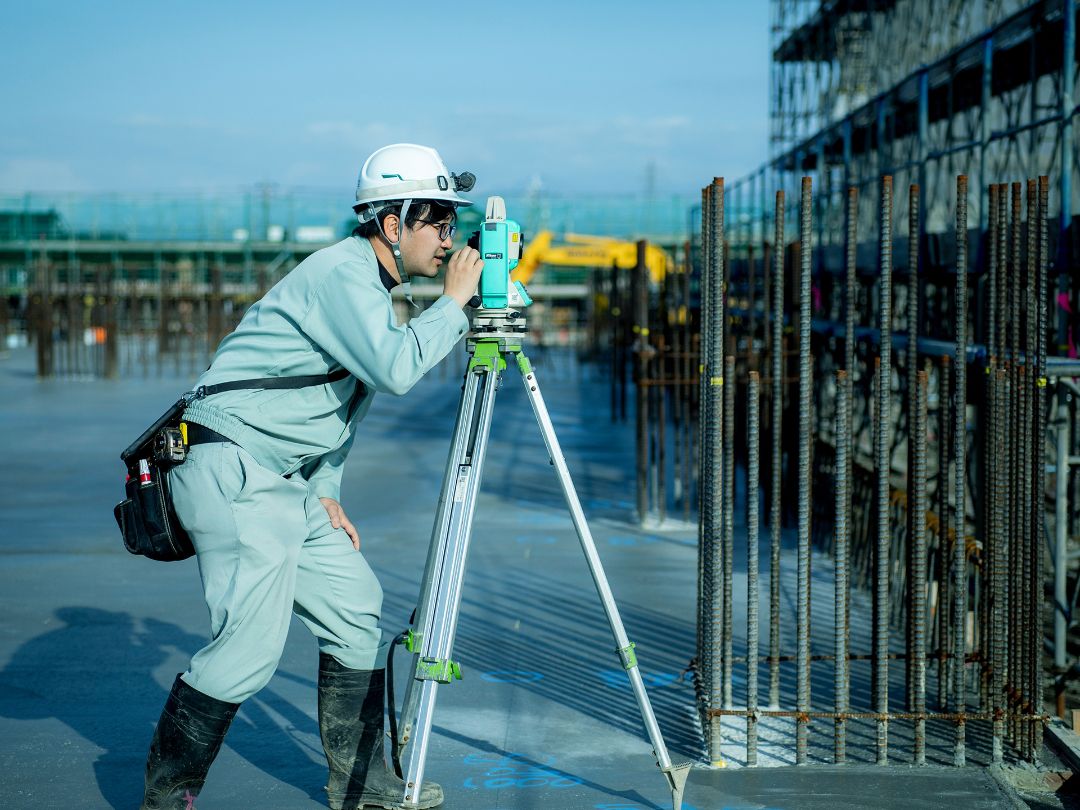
pixel 579 97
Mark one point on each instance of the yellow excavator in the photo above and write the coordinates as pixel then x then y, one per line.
pixel 576 250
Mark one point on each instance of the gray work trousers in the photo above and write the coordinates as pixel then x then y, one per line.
pixel 266 549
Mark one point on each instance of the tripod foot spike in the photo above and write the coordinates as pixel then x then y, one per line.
pixel 676 774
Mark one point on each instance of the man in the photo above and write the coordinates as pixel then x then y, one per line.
pixel 259 492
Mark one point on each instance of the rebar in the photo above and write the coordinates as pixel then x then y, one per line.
pixel 1016 552
pixel 776 461
pixel 714 430
pixel 728 518
pixel 805 394
pixel 753 465
pixel 997 573
pixel 840 622
pixel 851 285
pixel 912 366
pixel 1035 363
pixel 959 466
pixel 881 456
pixel 918 565
pixel 992 274
pixel 1024 456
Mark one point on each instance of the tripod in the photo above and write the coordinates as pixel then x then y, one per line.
pixel 431 639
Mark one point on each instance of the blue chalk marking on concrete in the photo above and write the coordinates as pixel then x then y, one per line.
pixel 516 771
pixel 511 676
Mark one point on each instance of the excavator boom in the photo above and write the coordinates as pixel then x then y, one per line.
pixel 578 250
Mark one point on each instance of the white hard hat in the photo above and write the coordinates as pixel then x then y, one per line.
pixel 407 171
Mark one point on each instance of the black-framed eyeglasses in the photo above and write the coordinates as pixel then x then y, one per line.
pixel 446 229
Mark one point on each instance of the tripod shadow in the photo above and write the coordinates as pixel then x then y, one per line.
pixel 505 620
pixel 94 672
pixel 493 756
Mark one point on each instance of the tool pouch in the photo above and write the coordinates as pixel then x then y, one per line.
pixel 147 520
pixel 146 517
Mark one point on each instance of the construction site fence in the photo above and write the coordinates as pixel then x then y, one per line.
pixel 98 310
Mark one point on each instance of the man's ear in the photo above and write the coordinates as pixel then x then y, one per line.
pixel 391 224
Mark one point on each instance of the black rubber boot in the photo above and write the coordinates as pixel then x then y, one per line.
pixel 187 738
pixel 351 726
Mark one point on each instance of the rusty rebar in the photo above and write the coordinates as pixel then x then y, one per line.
pixel 997 573
pixel 1016 552
pixel 944 568
pixel 851 286
pixel 1002 274
pixel 959 466
pixel 1039 431
pixel 753 465
pixel 917 619
pixel 714 433
pixel 728 490
pixel 841 692
pixel 881 456
pixel 912 384
pixel 992 273
pixel 776 422
pixel 805 394
pixel 1024 457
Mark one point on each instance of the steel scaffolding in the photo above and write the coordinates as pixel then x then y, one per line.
pixel 924 90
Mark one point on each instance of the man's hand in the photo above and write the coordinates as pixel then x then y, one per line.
pixel 463 275
pixel 339 521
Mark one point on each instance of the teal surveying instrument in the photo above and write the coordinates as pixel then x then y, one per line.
pixel 498 334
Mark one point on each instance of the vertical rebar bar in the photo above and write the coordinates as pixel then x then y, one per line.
pixel 1039 430
pixel 881 454
pixel 992 273
pixel 1024 437
pixel 1016 550
pixel 776 422
pixel 753 484
pixel 728 521
pixel 917 618
pixel 705 524
pixel 959 466
pixel 997 573
pixel 912 383
pixel 840 622
pixel 944 568
pixel 805 394
pixel 1003 272
pixel 714 431
pixel 851 286
pixel 851 302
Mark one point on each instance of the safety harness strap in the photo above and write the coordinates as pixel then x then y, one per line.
pixel 273 382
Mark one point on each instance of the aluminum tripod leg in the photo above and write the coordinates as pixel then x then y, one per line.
pixel 675 774
pixel 440 593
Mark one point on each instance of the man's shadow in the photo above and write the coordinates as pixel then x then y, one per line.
pixel 95 673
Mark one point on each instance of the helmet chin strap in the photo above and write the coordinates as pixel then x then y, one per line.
pixel 395 248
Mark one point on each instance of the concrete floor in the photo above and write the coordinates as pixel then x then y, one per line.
pixel 91 637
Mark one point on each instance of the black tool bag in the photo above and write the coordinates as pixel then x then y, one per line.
pixel 146 516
